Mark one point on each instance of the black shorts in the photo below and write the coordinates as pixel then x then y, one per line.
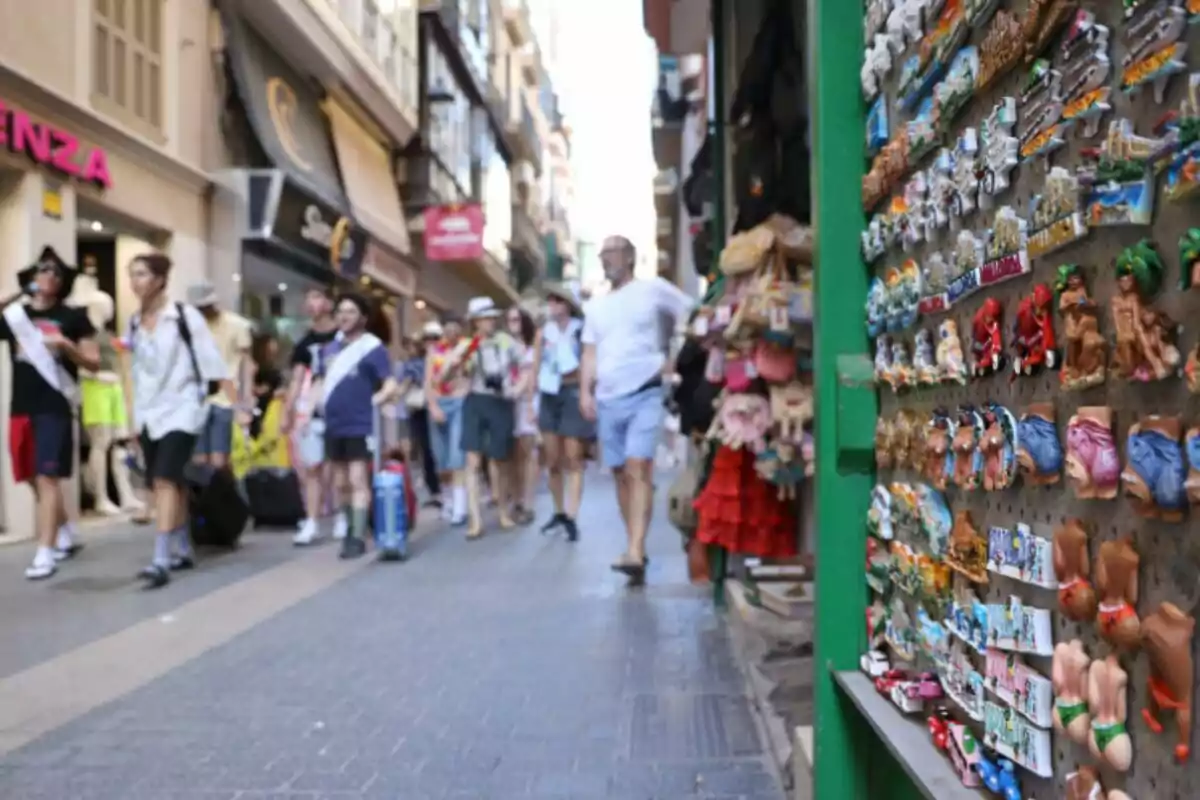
pixel 559 414
pixel 41 444
pixel 489 426
pixel 344 449
pixel 167 458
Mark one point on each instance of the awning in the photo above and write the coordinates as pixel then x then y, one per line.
pixel 389 270
pixel 366 169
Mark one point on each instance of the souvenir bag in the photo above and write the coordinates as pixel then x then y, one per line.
pixel 739 373
pixel 773 363
pixel 747 251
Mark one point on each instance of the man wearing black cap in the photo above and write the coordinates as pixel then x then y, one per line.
pixel 49 342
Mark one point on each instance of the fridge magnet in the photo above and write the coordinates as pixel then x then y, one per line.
pixel 1019 685
pixel 1116 582
pixel 1069 678
pixel 1153 50
pixel 1042 20
pixel 964 751
pixel 1191 446
pixel 1001 50
pixel 1154 473
pixel 1167 639
pixel 957 87
pixel 877 126
pixel 1086 69
pixel 1110 740
pixel 904 287
pixel 967 551
pixel 952 367
pixel 1182 132
pixel 999 150
pixel 933 585
pixel 979 12
pixel 1014 626
pixel 997 447
pixel 1056 214
pixel 933 641
pixel 899 633
pixel 1189 259
pixel 968 461
pixel 1033 333
pixel 967 619
pixel 879 567
pixel 875 17
pixel 963 176
pixel 1145 337
pixel 1016 740
pixel 987 345
pixel 963 684
pixel 1085 352
pixel 903 25
pixel 908 441
pixel 964 267
pixel 1005 255
pixel 877 301
pixel 921 133
pixel 873 245
pixel 1076 598
pixel 934 283
pixel 1039 452
pixel 902 376
pixel 884 434
pixel 933 518
pixel 876 625
pixel 1041 109
pixel 1017 553
pixel 877 63
pixel 944 35
pixel 910 217
pixel 924 369
pixel 1120 172
pixel 1093 466
pixel 937 459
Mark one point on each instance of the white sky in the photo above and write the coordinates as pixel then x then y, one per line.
pixel 605 80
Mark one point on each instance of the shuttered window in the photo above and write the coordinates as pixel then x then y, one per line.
pixel 127 62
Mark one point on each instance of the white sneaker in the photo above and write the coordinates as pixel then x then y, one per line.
pixel 340 527
pixel 308 533
pixel 107 508
pixel 43 565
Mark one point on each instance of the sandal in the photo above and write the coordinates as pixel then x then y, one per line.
pixel 633 569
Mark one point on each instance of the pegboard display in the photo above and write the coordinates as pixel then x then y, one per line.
pixel 1169 568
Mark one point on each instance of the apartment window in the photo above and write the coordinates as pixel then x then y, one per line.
pixel 127 63
pixel 369 32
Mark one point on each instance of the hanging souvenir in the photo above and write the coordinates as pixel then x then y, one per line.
pixel 1014 682
pixel 924 369
pixel 1167 639
pixel 1121 174
pixel 903 25
pixel 1015 626
pixel 932 639
pixel 1093 466
pixel 1004 254
pixel 877 126
pixel 1154 473
pixel 873 244
pixel 913 219
pixel 886 170
pixel 1001 50
pixel 1145 337
pixel 1183 136
pixel 998 447
pixel 876 625
pixel 780 466
pixel 952 367
pixel 1040 111
pixel 968 461
pixel 964 267
pixel 899 634
pixel 879 517
pixel 962 169
pixel 874 18
pixel 1107 703
pixel 935 279
pixel 1083 61
pixel 967 618
pixel 906 301
pixel 903 376
pixel 934 519
pixel 1033 333
pixel 944 35
pixel 1153 50
pixel 1116 579
pixel 1085 352
pixel 883 360
pixel 987 344
pixel 964 685
pixel 1056 214
pixel 938 460
pixel 921 133
pixel 1018 554
pixel 1070 678
pixel 1076 598
pixel 742 421
pixel 941 193
pixel 999 150
pixel 957 87
pixel 1039 452
pixel 909 441
pixel 1191 446
pixel 878 567
pixel 1040 22
pixel 1013 738
pixel 967 553
pixel 877 63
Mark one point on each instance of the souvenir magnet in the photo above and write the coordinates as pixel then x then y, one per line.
pixel 965 753
pixel 1020 686
pixel 903 25
pixel 1069 676
pixel 1167 640
pixel 879 517
pixel 964 267
pixel 987 345
pixel 899 633
pixel 964 449
pixel 1033 333
pixel 1001 49
pixel 878 567
pixel 967 553
pixel 1093 466
pixel 934 520
pixel 1004 253
pixel 1116 579
pixel 924 370
pixel 957 87
pixel 921 132
pixel 1041 109
pixel 978 12
pixel 937 458
pixel 1120 172
pixel 1041 21
pixel 1076 597
pixel 876 308
pixel 1039 452
pixel 999 150
pixel 1109 740
pixel 1183 135
pixel 902 371
pixel 1153 50
pixel 1056 215
pixel 1085 351
pixel 967 619
pixel 883 360
pixel 935 282
pixel 875 17
pixel 941 193
pixel 1145 337
pixel 945 34
pixel 952 367
pixel 877 126
pixel 997 446
pixel 1086 68
pixel 1154 473
pixel 963 178
pixel 872 240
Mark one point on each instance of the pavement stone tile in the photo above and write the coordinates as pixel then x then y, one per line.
pixel 516 667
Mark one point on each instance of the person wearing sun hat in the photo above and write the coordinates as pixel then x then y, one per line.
pixel 49 342
pixel 558 353
pixel 445 388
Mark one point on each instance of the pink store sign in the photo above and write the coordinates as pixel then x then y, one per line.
pixel 454 233
pixel 52 148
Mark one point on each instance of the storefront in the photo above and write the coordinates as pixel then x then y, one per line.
pixel 288 226
pixel 71 180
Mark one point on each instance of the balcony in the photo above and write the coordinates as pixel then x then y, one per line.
pixel 528 144
pixel 517 22
pixel 526 239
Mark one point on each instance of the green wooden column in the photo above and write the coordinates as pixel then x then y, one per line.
pixel 845 414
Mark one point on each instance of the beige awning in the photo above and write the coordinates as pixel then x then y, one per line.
pixel 370 182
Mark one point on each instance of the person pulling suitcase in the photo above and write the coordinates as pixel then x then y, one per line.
pixel 394 500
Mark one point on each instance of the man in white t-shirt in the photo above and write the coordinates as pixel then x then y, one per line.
pixel 621 385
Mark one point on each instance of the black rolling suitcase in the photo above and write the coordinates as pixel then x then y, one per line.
pixel 275 498
pixel 218 512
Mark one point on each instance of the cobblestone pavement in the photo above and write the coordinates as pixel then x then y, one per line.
pixel 515 667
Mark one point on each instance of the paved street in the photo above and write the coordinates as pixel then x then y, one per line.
pixel 515 667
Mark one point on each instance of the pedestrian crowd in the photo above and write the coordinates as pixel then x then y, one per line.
pixel 478 405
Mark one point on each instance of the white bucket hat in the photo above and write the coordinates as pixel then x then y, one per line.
pixel 482 308
pixel 202 294
pixel 432 330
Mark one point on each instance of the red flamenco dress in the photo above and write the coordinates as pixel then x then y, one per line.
pixel 741 512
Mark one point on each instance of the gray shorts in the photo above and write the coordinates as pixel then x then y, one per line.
pixel 216 437
pixel 488 426
pixel 559 414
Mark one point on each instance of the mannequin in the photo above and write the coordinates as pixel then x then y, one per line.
pixel 104 400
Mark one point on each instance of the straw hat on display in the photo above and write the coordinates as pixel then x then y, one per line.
pixel 565 293
pixel 482 308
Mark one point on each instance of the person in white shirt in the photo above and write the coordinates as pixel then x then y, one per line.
pixel 621 385
pixel 171 377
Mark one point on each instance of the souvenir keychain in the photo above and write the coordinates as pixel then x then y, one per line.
pixel 968 461
pixel 1153 50
pixel 951 365
pixel 1155 474
pixel 1086 351
pixel 1033 333
pixel 924 368
pixel 1039 452
pixel 987 345
pixel 998 447
pixel 1093 465
pixel 1145 337
pixel 1083 61
pixel 938 458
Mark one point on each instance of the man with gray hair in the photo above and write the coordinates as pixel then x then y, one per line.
pixel 232 334
pixel 621 385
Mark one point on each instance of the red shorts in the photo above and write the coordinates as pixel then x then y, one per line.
pixel 42 444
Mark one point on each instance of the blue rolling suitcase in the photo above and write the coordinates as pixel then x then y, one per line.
pixel 389 491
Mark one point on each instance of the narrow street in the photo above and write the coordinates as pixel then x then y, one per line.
pixel 516 666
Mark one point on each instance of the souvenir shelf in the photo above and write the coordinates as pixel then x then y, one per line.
pixel 1022 411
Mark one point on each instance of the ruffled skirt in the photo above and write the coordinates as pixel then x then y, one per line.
pixel 739 511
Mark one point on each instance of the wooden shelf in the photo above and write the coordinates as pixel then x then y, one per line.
pixel 907 739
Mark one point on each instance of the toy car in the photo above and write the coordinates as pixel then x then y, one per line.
pixel 939 727
pixel 999 776
pixel 925 687
pixel 885 682
pixel 874 663
pixel 904 694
